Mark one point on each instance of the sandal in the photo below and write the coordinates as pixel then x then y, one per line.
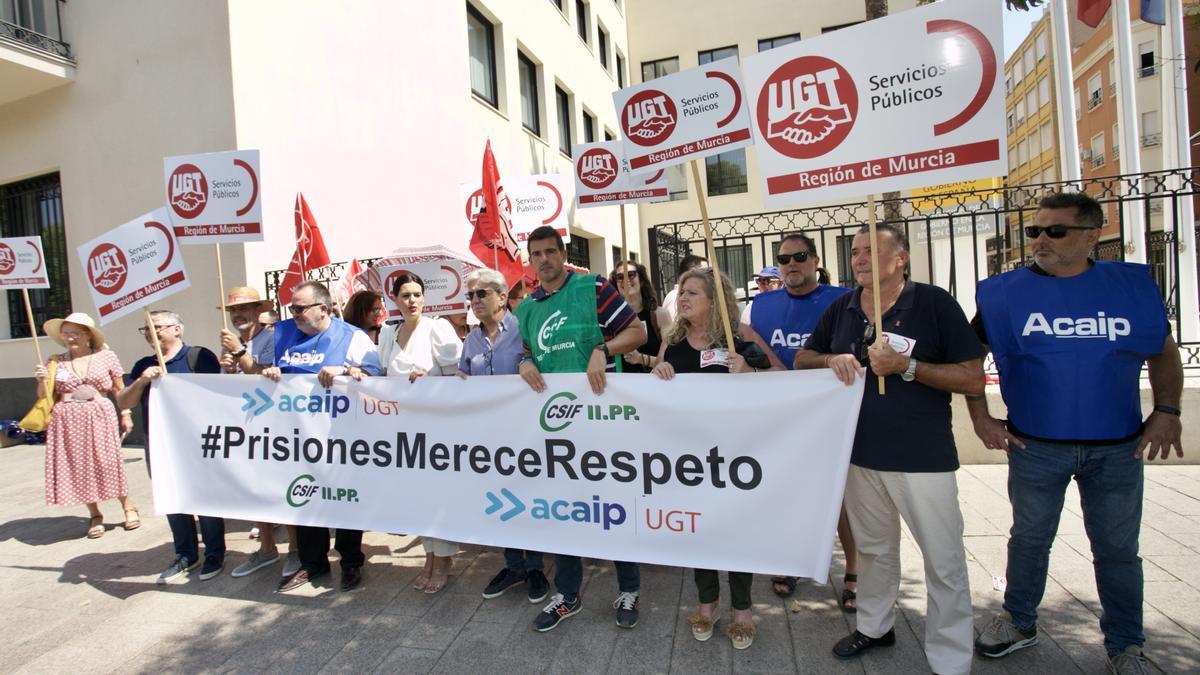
pixel 789 584
pixel 741 634
pixel 132 523
pixel 95 527
pixel 849 598
pixel 702 626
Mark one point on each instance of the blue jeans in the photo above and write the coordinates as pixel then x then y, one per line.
pixel 568 576
pixel 522 562
pixel 183 531
pixel 1110 492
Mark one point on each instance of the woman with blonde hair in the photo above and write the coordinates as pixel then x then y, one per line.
pixel 695 343
pixel 84 464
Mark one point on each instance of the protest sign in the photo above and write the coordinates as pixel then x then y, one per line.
pixel 22 264
pixel 847 114
pixel 686 115
pixel 133 265
pixel 444 288
pixel 623 476
pixel 529 203
pixel 214 198
pixel 602 177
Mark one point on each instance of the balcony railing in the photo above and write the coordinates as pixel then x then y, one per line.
pixel 1097 161
pixel 1094 99
pixel 34 23
pixel 1146 71
pixel 1151 140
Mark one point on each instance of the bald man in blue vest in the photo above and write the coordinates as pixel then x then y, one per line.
pixel 1070 336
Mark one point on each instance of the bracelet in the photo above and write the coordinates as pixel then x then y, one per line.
pixel 1166 409
pixel 127 412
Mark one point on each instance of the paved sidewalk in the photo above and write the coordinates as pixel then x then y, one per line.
pixel 76 605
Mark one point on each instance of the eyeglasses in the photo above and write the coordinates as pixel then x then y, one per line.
pixel 1053 231
pixel 297 310
pixel 158 328
pixel 620 276
pixel 785 258
pixel 479 293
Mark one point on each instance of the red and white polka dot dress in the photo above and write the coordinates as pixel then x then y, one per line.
pixel 83 440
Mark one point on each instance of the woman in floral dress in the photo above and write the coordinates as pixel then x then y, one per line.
pixel 84 464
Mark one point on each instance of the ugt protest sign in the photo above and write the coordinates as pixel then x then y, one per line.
pixel 623 476
pixel 847 113
pixel 686 115
pixel 133 265
pixel 529 202
pixel 602 177
pixel 214 198
pixel 443 286
pixel 22 264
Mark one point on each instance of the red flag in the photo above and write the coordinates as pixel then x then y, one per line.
pixel 351 281
pixel 492 240
pixel 1091 12
pixel 310 251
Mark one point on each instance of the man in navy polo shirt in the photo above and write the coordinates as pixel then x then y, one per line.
pixel 904 458
pixel 180 358
pixel 1069 336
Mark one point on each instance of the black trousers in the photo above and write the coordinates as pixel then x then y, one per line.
pixel 312 544
pixel 708 582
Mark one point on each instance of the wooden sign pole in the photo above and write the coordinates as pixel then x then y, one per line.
pixel 37 346
pixel 162 363
pixel 712 259
pixel 220 289
pixel 878 320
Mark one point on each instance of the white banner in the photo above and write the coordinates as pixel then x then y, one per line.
pixel 444 289
pixel 848 113
pixel 602 177
pixel 214 198
pixel 686 115
pixel 628 475
pixel 529 202
pixel 133 265
pixel 22 264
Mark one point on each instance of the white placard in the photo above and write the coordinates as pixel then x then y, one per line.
pixel 848 113
pixel 22 263
pixel 627 475
pixel 133 265
pixel 686 115
pixel 528 201
pixel 602 177
pixel 215 197
pixel 444 288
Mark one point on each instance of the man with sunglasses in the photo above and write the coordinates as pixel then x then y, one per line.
pixel 904 459
pixel 314 341
pixel 1070 336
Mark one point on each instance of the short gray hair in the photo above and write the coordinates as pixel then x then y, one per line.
pixel 490 277
pixel 175 318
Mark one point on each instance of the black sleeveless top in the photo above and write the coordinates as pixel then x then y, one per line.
pixel 653 342
pixel 686 359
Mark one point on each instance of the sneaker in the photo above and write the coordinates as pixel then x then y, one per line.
pixel 254 563
pixel 539 587
pixel 177 569
pixel 1130 661
pixel 626 605
pixel 291 565
pixel 503 581
pixel 1003 637
pixel 553 613
pixel 212 567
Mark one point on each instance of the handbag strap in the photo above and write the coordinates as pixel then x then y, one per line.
pixel 51 373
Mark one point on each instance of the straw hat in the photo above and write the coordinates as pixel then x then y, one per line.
pixel 243 295
pixel 53 328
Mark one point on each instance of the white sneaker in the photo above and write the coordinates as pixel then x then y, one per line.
pixel 292 564
pixel 254 563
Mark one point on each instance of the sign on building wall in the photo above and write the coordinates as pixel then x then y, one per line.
pixel 848 113
pixel 951 195
pixel 602 177
pixel 215 197
pixel 133 265
pixel 22 264
pixel 686 115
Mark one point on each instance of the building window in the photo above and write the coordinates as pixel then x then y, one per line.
pixel 581 20
pixel 1116 144
pixel 620 71
pixel 710 55
pixel 602 45
pixel 1043 91
pixel 558 4
pixel 530 115
pixel 1028 62
pixel 1020 111
pixel 481 41
pixel 1039 44
pixel 609 136
pixel 577 251
pixel 845 242
pixel 616 255
pixel 1151 131
pixel 563 104
pixel 1097 147
pixel 1146 59
pixel 771 43
pixel 1095 91
pixel 1112 77
pixel 1008 84
pixel 1012 122
pixel 1047 136
pixel 1031 101
pixel 726 172
pixel 1078 104
pixel 589 128
pixel 1022 151
pixel 1018 73
pixel 677 181
pixel 653 69
pixel 1035 147
pixel 736 263
pixel 34 208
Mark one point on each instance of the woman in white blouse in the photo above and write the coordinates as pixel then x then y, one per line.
pixel 419 347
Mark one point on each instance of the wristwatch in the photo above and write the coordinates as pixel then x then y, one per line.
pixel 603 347
pixel 910 373
pixel 239 353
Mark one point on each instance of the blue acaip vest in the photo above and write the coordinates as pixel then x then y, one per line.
pixel 1070 350
pixel 296 352
pixel 785 321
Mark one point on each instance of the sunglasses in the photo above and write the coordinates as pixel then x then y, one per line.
pixel 785 258
pixel 300 309
pixel 1053 231
pixel 763 281
pixel 479 293
pixel 620 276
